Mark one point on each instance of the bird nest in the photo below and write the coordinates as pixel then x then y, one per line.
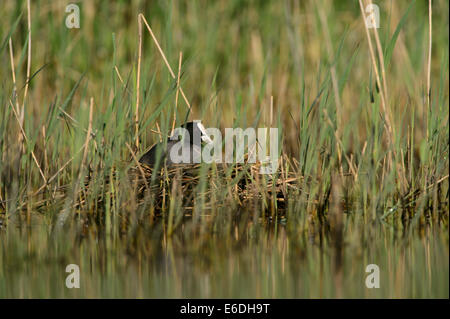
pixel 213 183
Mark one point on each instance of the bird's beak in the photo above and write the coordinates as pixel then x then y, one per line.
pixel 205 137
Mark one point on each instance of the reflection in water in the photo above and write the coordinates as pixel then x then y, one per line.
pixel 246 258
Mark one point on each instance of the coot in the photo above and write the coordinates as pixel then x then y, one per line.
pixel 190 136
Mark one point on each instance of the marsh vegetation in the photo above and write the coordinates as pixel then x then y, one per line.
pixel 362 116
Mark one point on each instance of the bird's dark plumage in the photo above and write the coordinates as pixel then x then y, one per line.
pixel 160 151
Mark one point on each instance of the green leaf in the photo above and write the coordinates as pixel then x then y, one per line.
pixel 390 47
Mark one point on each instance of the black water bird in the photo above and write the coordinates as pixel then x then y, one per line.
pixel 190 136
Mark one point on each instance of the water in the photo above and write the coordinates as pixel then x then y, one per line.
pixel 241 259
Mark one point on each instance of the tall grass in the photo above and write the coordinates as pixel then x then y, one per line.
pixel 363 177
